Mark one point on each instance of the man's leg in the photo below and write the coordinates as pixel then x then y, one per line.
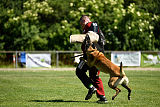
pixel 87 82
pixel 97 82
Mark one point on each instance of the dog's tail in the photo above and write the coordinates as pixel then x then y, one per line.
pixel 122 74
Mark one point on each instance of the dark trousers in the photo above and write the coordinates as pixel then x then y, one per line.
pixel 92 79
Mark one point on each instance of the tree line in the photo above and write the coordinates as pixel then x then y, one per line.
pixel 29 25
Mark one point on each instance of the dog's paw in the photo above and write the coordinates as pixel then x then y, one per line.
pixel 113 97
pixel 129 97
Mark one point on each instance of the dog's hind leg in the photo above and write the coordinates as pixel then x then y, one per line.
pixel 117 92
pixel 129 91
pixel 111 85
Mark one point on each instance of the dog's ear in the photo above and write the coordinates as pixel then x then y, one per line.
pixel 87 42
pixel 87 38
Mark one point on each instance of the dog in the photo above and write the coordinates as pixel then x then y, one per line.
pixel 117 75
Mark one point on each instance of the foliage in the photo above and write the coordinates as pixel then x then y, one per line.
pixel 47 24
pixel 26 27
pixel 125 27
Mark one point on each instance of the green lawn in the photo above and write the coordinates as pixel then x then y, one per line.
pixel 64 89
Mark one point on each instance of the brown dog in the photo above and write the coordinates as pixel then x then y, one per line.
pixel 117 75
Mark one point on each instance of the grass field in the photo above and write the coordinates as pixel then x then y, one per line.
pixel 64 89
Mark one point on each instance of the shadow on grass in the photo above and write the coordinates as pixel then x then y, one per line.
pixel 60 100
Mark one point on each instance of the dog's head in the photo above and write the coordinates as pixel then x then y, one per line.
pixel 90 51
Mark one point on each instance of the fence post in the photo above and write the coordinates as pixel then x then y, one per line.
pixel 16 59
pixel 57 59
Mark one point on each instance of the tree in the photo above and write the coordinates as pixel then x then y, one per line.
pixel 23 31
pixel 126 26
pixel 47 24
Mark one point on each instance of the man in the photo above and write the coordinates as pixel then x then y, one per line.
pixel 93 82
